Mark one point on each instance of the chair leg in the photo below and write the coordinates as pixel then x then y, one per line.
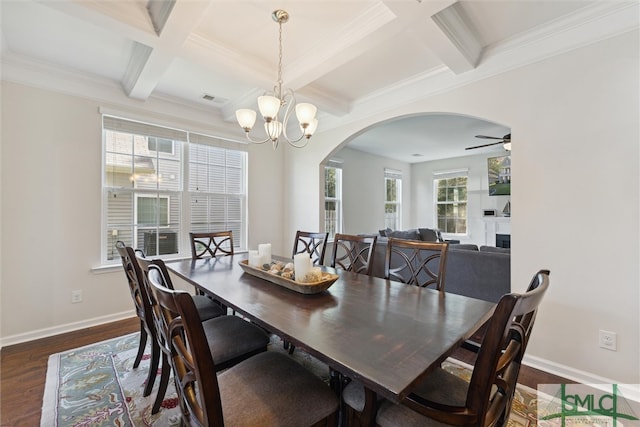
pixel 164 382
pixel 153 368
pixel 141 346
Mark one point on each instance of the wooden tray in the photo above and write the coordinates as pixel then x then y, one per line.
pixel 303 288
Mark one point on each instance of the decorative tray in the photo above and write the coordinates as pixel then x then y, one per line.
pixel 304 288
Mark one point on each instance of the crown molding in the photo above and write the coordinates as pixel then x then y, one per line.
pixel 67 81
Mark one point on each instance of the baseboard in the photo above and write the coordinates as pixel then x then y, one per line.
pixel 630 391
pixel 61 329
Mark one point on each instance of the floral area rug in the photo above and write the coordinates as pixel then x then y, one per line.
pixel 97 385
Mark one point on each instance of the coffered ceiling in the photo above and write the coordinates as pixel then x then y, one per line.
pixel 350 58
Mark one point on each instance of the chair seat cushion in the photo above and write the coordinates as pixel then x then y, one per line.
pixel 440 386
pixel 233 337
pixel 207 308
pixel 272 389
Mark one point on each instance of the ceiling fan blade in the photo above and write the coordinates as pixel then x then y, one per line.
pixel 488 137
pixel 484 145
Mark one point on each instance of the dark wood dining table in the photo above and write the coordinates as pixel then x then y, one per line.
pixel 384 334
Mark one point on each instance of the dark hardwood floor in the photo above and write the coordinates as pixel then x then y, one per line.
pixel 23 369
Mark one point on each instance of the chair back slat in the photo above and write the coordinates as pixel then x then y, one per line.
pixel 416 262
pixel 134 279
pixel 353 253
pixel 312 243
pixel 211 244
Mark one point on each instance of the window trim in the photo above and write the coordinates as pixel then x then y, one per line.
pixel 337 199
pixel 448 174
pixel 393 174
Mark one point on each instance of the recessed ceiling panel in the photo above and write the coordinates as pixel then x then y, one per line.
pixel 37 31
pixel 386 64
pixel 247 26
pixel 499 20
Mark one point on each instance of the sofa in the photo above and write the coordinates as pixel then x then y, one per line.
pixel 481 272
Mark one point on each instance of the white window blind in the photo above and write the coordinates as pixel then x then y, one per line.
pixel 159 184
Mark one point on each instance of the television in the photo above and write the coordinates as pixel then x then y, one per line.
pixel 499 173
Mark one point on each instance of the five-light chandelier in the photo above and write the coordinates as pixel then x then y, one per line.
pixel 272 103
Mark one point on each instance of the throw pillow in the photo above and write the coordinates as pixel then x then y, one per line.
pixel 428 235
pixel 383 233
pixel 406 235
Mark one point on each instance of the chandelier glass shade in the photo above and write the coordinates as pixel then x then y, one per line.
pixel 276 107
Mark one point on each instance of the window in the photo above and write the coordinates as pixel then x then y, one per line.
pixel 153 196
pixel 393 199
pixel 332 200
pixel 451 202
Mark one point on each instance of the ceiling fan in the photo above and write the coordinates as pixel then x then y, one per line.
pixel 505 140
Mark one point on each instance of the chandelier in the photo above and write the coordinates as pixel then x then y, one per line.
pixel 271 104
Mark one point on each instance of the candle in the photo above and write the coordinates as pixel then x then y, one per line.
pixel 302 265
pixel 254 259
pixel 264 250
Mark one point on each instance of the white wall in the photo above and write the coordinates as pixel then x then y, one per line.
pixel 574 121
pixel 363 191
pixel 51 209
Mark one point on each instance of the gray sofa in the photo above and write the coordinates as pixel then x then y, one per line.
pixel 478 272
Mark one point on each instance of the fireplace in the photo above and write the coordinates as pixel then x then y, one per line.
pixel 503 240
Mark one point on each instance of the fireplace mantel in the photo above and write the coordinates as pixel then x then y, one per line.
pixel 495 225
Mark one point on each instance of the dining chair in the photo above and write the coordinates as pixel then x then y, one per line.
pixel 313 243
pixel 353 253
pixel 442 398
pixel 416 262
pixel 237 339
pixel 143 312
pixel 268 388
pixel 211 244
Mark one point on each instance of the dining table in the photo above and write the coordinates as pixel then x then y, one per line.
pixel 385 334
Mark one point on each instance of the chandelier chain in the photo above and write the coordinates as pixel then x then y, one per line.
pixel 280 63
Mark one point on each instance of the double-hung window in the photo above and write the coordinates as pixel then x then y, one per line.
pixel 450 189
pixel 332 200
pixel 393 199
pixel 161 183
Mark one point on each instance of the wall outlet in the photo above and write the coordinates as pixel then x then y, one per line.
pixel 76 296
pixel 608 340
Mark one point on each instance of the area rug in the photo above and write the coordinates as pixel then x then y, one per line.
pixel 97 385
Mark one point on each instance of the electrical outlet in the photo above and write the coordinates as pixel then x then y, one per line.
pixel 76 296
pixel 608 340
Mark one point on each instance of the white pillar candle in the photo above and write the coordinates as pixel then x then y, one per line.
pixel 302 265
pixel 264 250
pixel 254 259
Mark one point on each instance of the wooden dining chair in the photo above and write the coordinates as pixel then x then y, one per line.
pixel 416 262
pixel 266 389
pixel 353 253
pixel 211 244
pixel 313 243
pixel 143 312
pixel 237 338
pixel 443 398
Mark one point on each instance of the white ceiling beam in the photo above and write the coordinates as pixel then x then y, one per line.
pixel 449 36
pixel 176 21
pixel 159 12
